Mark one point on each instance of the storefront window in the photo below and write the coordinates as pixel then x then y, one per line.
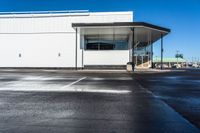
pixel 105 43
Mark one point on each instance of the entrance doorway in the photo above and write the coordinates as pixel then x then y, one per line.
pixel 143 56
pixel 142 61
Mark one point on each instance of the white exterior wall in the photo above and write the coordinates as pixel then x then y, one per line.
pixel 111 57
pixel 40 38
pixel 38 50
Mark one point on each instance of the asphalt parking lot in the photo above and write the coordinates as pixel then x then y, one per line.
pixel 63 101
pixel 179 89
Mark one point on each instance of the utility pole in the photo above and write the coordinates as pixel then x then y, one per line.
pixel 177 55
pixel 192 60
pixel 161 67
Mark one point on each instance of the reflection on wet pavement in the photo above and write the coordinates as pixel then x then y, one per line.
pixel 180 90
pixel 89 102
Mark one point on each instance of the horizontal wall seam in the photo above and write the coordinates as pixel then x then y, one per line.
pixel 43 33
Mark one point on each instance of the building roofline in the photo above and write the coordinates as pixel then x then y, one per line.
pixel 61 13
pixel 43 12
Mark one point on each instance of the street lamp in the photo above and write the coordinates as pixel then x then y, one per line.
pixel 177 55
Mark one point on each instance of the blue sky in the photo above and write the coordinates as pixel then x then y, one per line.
pixel 181 16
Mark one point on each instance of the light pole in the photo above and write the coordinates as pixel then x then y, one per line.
pixel 156 61
pixel 177 57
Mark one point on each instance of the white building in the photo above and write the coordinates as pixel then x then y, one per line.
pixel 75 39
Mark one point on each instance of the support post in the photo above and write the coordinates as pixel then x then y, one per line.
pixel 161 66
pixel 76 50
pixel 152 66
pixel 83 48
pixel 152 63
pixel 133 45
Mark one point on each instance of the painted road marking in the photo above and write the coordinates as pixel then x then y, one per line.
pixel 36 84
pixel 106 91
pixel 66 86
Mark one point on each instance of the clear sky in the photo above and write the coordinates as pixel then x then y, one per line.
pixel 181 16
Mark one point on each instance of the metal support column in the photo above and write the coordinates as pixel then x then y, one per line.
pixel 152 66
pixel 76 50
pixel 83 48
pixel 161 64
pixel 133 45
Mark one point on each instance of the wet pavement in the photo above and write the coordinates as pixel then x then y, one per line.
pixel 61 101
pixel 179 89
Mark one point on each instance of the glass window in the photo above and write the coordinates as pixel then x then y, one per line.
pixel 92 46
pixel 106 46
pixel 99 42
pixel 100 46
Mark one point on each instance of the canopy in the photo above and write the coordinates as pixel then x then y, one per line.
pixel 144 33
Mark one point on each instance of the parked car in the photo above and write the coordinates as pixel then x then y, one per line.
pixel 176 66
pixel 195 65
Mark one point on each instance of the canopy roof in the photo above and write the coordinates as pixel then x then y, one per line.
pixel 143 32
pixel 124 24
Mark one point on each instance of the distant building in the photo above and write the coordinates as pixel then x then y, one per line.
pixel 169 62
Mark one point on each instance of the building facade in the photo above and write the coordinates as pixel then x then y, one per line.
pixel 75 39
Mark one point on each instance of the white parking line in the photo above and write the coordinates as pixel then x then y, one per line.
pixel 73 82
pixel 106 91
pixel 36 85
pixel 23 85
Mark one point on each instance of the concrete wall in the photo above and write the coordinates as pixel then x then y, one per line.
pixel 41 38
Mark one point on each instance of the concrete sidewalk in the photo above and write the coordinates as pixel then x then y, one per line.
pixel 100 110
